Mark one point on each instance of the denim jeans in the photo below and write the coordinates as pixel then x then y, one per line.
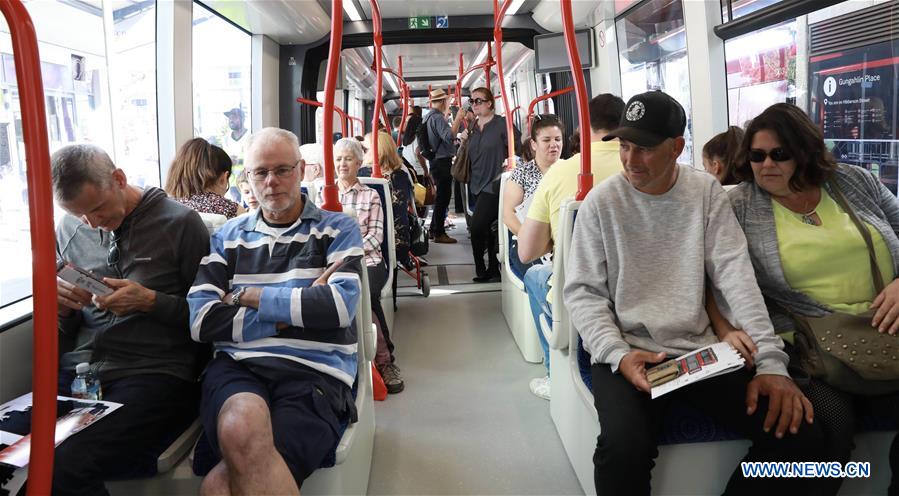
pixel 536 284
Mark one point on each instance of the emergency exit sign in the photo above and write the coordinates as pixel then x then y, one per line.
pixel 420 22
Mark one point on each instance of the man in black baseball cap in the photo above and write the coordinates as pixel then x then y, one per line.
pixel 651 136
pixel 646 245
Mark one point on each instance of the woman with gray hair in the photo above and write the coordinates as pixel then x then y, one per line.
pixel 366 202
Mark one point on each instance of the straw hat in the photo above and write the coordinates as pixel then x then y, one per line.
pixel 438 94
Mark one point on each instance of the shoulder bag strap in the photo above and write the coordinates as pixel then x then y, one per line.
pixel 841 201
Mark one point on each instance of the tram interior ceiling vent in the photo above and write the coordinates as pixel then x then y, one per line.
pixel 869 26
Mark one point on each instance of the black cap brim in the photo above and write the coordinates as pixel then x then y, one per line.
pixel 636 136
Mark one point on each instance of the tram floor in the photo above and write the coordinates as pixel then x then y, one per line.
pixel 466 422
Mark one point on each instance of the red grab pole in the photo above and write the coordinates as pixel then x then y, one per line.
pixel 329 192
pixel 379 88
pixel 43 245
pixel 585 179
pixel 490 56
pixel 498 13
pixel 541 98
pixel 429 96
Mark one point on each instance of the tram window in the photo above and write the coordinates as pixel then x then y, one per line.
pixel 221 80
pixel 88 93
pixel 761 71
pixel 740 8
pixel 652 43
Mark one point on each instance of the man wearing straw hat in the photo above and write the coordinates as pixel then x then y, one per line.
pixel 440 137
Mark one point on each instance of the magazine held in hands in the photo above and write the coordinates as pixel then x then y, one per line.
pixel 711 361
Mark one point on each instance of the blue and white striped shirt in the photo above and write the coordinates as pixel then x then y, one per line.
pixel 285 262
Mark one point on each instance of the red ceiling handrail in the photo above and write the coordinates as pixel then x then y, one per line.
pixel 541 98
pixel 331 199
pixel 498 13
pixel 378 41
pixel 585 179
pixel 490 59
pixel 43 245
pixel 340 112
pixel 429 96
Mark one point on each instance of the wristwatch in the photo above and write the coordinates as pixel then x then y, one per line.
pixel 235 296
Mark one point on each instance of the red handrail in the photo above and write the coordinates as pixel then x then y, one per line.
pixel 404 88
pixel 340 112
pixel 378 41
pixel 498 13
pixel 429 96
pixel 585 179
pixel 43 245
pixel 541 98
pixel 490 58
pixel 330 196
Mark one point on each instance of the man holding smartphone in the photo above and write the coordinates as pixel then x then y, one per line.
pixel 146 248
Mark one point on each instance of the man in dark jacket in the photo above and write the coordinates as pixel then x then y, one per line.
pixel 146 247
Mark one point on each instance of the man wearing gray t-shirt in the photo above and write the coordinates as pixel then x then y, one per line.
pixel 644 243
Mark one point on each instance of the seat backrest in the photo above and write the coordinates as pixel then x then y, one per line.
pixel 562 328
pixel 504 234
pixel 213 221
pixel 388 244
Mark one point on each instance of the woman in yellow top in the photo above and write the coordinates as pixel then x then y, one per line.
pixel 809 257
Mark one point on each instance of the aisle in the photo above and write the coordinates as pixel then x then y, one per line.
pixel 466 423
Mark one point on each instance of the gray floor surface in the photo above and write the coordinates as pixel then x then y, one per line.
pixel 466 422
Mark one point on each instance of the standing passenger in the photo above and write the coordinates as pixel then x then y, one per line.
pixel 440 137
pixel 642 246
pixel 278 389
pixel 487 151
pixel 147 248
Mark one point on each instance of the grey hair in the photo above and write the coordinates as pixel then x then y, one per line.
pixel 268 136
pixel 73 166
pixel 351 144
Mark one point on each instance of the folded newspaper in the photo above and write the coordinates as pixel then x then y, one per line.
pixel 72 416
pixel 711 361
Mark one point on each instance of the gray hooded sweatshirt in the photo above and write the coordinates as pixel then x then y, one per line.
pixel 160 245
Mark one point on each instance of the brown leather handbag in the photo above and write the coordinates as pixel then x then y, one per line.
pixel 461 169
pixel 843 350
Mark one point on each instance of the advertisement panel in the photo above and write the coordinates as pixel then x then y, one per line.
pixel 853 99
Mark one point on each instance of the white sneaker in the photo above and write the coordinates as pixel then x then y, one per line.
pixel 540 387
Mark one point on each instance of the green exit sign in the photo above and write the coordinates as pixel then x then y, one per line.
pixel 420 22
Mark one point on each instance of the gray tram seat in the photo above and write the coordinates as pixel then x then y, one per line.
pixel 516 306
pixel 388 244
pixel 696 454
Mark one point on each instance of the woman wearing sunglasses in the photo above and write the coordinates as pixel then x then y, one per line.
pixel 809 256
pixel 487 151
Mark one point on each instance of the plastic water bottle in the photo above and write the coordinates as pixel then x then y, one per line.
pixel 86 385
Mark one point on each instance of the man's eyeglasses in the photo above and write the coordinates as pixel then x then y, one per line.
pixel 282 172
pixel 777 155
pixel 477 101
pixel 112 258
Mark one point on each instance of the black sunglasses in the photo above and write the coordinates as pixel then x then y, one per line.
pixel 477 101
pixel 777 155
pixel 112 258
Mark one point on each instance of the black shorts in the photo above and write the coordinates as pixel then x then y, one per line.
pixel 304 426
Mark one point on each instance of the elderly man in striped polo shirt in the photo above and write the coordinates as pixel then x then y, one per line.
pixel 277 295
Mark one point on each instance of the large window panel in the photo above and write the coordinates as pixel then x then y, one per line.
pixel 87 99
pixel 761 71
pixel 652 44
pixel 221 79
